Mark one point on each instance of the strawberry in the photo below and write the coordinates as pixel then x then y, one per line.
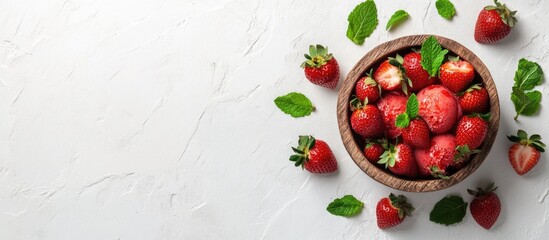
pixel 415 130
pixel 366 87
pixel 366 119
pixel 392 211
pixel 525 153
pixel 474 100
pixel 400 160
pixel 391 105
pixel 418 76
pixel 485 208
pixel 389 77
pixel 423 160
pixel 314 155
pixel 470 133
pixel 456 74
pixel 494 23
pixel 441 154
pixel 374 150
pixel 321 67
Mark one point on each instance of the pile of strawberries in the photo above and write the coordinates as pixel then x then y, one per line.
pixel 417 125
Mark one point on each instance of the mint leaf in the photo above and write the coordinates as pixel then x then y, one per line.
pixel 445 9
pixel 398 17
pixel 295 104
pixel 528 75
pixel 525 103
pixel 402 120
pixel 412 106
pixel 448 211
pixel 362 22
pixel 432 55
pixel 346 206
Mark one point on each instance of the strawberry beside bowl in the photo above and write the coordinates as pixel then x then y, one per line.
pixel 355 143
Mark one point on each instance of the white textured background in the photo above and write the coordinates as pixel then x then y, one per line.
pixel 148 119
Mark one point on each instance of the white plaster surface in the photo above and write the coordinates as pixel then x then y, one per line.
pixel 154 119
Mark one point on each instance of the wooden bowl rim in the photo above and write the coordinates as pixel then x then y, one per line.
pixel 372 58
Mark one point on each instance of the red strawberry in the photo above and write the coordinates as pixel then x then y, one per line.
pixel 442 153
pixel 494 23
pixel 474 100
pixel 414 71
pixel 417 134
pixel 470 132
pixel 391 105
pixel 400 160
pixel 315 155
pixel 485 208
pixel 456 74
pixel 423 160
pixel 373 151
pixel 366 87
pixel 321 67
pixel 392 211
pixel 389 77
pixel 366 119
pixel 525 153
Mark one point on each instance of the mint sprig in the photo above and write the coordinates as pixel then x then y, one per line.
pixel 449 210
pixel 397 18
pixel 346 206
pixel 362 22
pixel 295 104
pixel 445 9
pixel 432 55
pixel 526 100
pixel 412 111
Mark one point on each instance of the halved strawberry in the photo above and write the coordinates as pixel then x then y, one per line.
pixel 456 74
pixel 474 100
pixel 525 153
pixel 400 160
pixel 389 77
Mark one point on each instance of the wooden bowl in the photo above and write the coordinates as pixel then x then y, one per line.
pixel 352 140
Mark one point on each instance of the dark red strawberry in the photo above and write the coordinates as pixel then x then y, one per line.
pixel 366 119
pixel 494 23
pixel 400 160
pixel 389 77
pixel 392 211
pixel 391 105
pixel 485 208
pixel 525 153
pixel 366 87
pixel 374 150
pixel 314 155
pixel 456 74
pixel 321 67
pixel 418 76
pixel 474 100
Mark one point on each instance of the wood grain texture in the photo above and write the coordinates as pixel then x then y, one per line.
pixel 351 141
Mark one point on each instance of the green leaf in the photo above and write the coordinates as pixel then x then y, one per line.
pixel 525 103
pixel 362 22
pixel 432 55
pixel 402 120
pixel 412 106
pixel 448 211
pixel 295 104
pixel 346 206
pixel 397 18
pixel 528 75
pixel 445 9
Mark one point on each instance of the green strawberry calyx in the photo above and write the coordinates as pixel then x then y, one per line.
pixel 397 61
pixel 401 203
pixel 356 104
pixel 507 16
pixel 318 56
pixel 522 138
pixel 388 158
pixel 301 156
pixel 479 192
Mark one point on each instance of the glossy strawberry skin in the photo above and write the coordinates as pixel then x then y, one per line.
pixel 387 214
pixel 414 71
pixel 475 101
pixel 373 151
pixel 326 75
pixel 321 159
pixel 366 87
pixel 523 158
pixel 490 28
pixel 388 76
pixel 457 75
pixel 486 209
pixel 367 122
pixel 405 163
pixel 471 131
pixel 417 134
